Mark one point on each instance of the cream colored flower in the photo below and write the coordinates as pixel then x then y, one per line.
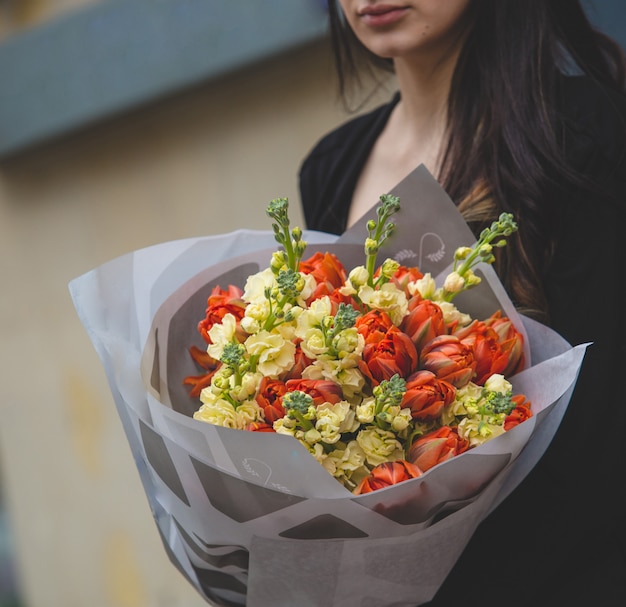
pixel 452 314
pixel 401 419
pixel 248 387
pixel 425 286
pixel 478 431
pixel 349 378
pixel 345 461
pixel 309 286
pixel 453 283
pixel 387 298
pixel 313 343
pixel 357 277
pixel 221 334
pixel 314 315
pixel 379 446
pixel 274 354
pixel 222 413
pixel 255 315
pixel 335 419
pixel 257 284
pixel 348 343
pixel 497 383
pixel 365 411
pixel 285 425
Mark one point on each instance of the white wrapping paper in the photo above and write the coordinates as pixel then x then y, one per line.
pixel 251 518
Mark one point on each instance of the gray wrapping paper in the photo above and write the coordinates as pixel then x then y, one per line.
pixel 252 518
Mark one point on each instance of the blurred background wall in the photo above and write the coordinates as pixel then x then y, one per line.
pixel 103 152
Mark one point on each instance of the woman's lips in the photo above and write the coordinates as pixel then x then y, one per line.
pixel 380 15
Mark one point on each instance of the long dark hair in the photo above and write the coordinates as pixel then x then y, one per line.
pixel 503 151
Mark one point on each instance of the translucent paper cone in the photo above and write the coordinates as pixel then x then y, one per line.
pixel 251 518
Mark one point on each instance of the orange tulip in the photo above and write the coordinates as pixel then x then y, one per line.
pixel 449 359
pixel 259 427
pixel 511 342
pixel 436 447
pixel 423 322
pixel 320 390
pixel 204 361
pixel 387 474
pixel 328 271
pixel 373 325
pixel 426 395
pixel 269 398
pixel 393 354
pixel 219 303
pixel 520 414
pixel 490 358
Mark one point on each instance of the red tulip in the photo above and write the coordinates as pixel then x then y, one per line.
pixel 269 398
pixel 328 271
pixel 259 427
pixel 520 414
pixel 320 390
pixel 393 354
pixel 436 447
pixel 203 360
pixel 387 474
pixel 511 342
pixel 423 322
pixel 490 358
pixel 373 325
pixel 449 359
pixel 220 303
pixel 426 395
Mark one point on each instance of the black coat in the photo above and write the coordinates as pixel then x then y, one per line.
pixel 559 538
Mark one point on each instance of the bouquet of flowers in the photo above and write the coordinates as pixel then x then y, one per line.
pixel 375 371
pixel 251 517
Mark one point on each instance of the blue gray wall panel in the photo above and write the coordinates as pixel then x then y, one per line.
pixel 118 54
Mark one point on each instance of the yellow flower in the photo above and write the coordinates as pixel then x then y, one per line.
pixel 425 286
pixel 452 314
pixel 334 420
pixel 221 334
pixel 497 383
pixel 222 413
pixel 348 342
pixel 342 372
pixel 478 431
pixel 365 411
pixel 285 425
pixel 357 277
pixel 346 461
pixel 255 315
pixel 379 446
pixel 401 418
pixel 388 298
pixel 248 386
pixel 257 284
pixel 454 283
pixel 274 354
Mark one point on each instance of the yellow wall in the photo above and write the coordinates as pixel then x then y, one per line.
pixel 203 162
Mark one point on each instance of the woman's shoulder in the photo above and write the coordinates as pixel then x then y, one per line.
pixel 350 133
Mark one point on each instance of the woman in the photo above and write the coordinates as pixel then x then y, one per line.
pixel 519 107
